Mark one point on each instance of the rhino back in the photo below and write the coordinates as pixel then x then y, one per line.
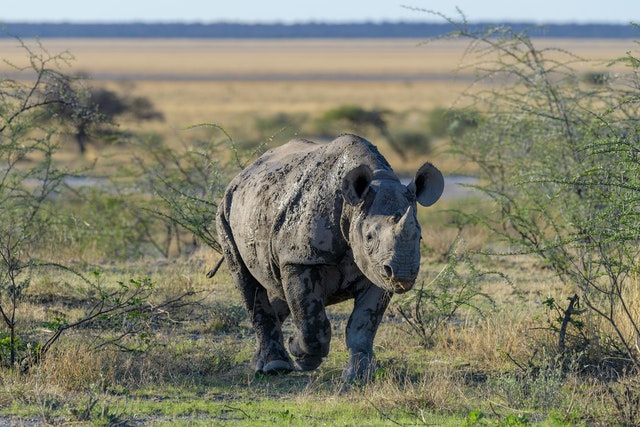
pixel 286 207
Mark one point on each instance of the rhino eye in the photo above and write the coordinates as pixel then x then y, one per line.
pixel 370 242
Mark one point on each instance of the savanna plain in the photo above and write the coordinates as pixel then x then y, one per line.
pixel 109 318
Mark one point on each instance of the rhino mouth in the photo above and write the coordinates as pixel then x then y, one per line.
pixel 393 285
pixel 399 277
pixel 396 285
pixel 402 287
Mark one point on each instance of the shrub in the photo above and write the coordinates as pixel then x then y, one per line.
pixel 185 184
pixel 25 193
pixel 360 118
pixel 596 78
pixel 31 196
pixel 561 165
pixel 431 307
pixel 88 111
pixel 413 141
pixel 448 122
pixel 279 124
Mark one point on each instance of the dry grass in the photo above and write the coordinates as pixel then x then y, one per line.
pixel 253 59
pixel 187 103
pixel 232 81
pixel 266 59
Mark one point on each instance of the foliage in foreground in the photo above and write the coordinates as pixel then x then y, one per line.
pixel 558 157
pixel 457 288
pixel 36 228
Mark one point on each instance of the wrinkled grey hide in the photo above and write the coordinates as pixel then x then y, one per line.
pixel 308 225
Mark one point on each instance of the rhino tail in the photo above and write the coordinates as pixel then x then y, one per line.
pixel 215 268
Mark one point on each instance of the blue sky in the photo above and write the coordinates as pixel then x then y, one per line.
pixel 287 11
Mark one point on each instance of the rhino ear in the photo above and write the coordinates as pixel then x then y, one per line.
pixel 356 183
pixel 427 185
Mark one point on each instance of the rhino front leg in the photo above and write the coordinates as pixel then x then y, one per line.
pixel 369 307
pixel 281 308
pixel 304 290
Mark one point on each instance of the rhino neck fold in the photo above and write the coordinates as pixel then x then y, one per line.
pixel 349 213
pixel 345 221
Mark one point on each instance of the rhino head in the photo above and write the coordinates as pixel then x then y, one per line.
pixel 384 232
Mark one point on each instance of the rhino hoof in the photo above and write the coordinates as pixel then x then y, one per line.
pixel 308 363
pixel 277 367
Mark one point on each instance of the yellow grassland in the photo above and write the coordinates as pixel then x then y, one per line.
pixel 369 57
pixel 233 82
pixel 223 81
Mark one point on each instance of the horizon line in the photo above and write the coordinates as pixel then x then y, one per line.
pixel 309 22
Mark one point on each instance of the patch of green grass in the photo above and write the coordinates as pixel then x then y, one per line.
pixel 256 408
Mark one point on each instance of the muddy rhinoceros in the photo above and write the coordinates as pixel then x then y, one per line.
pixel 308 225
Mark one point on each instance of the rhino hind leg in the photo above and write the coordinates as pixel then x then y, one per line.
pixel 309 344
pixel 270 357
pixel 281 364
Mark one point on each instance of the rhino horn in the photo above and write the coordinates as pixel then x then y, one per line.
pixel 407 225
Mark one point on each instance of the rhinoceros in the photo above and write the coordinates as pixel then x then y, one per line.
pixel 308 225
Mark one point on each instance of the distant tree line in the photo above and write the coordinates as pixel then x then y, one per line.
pixel 302 30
